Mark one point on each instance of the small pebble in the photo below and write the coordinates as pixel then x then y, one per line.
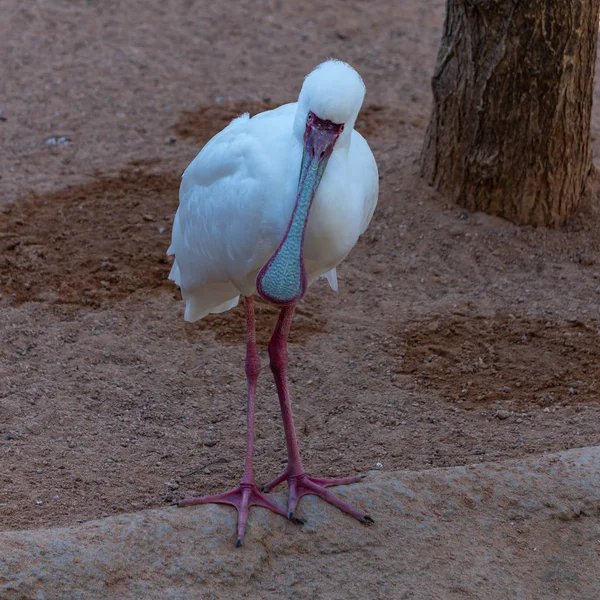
pixel 502 414
pixel 61 141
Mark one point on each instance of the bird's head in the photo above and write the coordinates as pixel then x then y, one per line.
pixel 329 103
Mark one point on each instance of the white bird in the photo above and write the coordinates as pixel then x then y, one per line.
pixel 269 205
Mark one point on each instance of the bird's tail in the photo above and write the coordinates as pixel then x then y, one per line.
pixel 175 275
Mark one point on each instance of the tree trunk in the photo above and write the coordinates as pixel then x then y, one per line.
pixel 509 132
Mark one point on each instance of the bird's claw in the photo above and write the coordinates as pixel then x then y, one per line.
pixel 369 520
pixel 297 520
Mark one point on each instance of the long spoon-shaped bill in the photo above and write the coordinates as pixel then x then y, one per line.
pixel 282 280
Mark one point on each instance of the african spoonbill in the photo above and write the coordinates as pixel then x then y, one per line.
pixel 269 205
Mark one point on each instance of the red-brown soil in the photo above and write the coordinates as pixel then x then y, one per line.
pixel 455 337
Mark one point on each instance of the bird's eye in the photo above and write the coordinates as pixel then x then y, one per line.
pixel 342 128
pixel 309 119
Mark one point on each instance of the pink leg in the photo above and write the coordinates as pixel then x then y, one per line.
pixel 247 493
pixel 299 482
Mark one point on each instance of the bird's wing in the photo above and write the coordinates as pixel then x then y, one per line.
pixel 217 229
pixel 363 169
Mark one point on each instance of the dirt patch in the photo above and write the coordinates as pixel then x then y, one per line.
pixel 522 363
pixel 92 243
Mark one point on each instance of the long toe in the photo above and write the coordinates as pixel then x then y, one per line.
pixel 294 496
pixel 332 481
pixel 230 497
pixel 320 491
pixel 259 500
pixel 243 514
pixel 274 483
pixel 305 485
pixel 242 497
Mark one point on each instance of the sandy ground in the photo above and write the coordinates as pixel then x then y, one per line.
pixel 455 338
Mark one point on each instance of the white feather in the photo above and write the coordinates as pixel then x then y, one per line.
pixel 331 277
pixel 237 196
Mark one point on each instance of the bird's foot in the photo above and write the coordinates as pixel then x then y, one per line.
pixel 242 497
pixel 305 485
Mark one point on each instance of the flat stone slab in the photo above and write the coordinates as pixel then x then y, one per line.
pixel 519 529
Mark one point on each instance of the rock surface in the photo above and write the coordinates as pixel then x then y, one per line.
pixel 519 529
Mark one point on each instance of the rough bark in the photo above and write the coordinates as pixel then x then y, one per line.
pixel 509 132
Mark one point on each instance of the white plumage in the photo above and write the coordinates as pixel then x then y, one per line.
pixel 237 195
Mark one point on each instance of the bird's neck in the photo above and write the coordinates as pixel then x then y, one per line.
pixel 282 280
